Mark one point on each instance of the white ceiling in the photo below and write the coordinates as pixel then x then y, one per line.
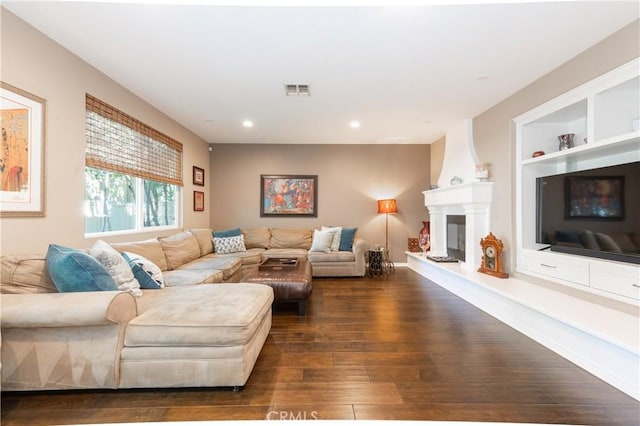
pixel 404 72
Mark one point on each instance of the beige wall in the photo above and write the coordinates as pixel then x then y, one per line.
pixel 350 180
pixel 34 63
pixel 494 133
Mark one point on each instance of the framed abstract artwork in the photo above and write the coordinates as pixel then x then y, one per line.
pixel 23 115
pixel 289 195
pixel 198 201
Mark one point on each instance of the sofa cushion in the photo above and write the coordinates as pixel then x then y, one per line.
pixel 146 272
pixel 322 241
pixel 191 277
pixel 180 248
pixel 117 267
pixel 74 270
pixel 224 245
pixel 25 274
pixel 250 257
pixel 235 232
pixel 203 235
pixel 346 239
pixel 150 249
pixel 334 256
pixel 291 238
pixel 284 252
pixel 256 237
pixel 209 315
pixel 337 235
pixel 228 265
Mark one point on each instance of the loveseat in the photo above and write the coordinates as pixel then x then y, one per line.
pixel 193 324
pixel 329 256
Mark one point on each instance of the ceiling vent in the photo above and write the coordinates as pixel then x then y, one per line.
pixel 297 90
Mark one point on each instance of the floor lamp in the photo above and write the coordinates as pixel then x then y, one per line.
pixel 387 207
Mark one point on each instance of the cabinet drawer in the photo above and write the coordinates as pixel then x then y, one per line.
pixel 560 267
pixel 622 280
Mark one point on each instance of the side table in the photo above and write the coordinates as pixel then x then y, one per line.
pixel 378 263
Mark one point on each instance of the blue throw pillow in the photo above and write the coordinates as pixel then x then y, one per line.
pixel 235 232
pixel 74 270
pixel 346 240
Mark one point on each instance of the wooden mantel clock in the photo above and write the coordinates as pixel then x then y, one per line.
pixel 492 256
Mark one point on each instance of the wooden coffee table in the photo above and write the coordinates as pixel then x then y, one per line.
pixel 290 281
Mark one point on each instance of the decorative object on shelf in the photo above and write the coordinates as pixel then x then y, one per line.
pixel 198 176
pixel 586 141
pixel 288 195
pixel 23 116
pixel 537 154
pixel 198 201
pixel 387 207
pixel 412 245
pixel 424 237
pixel 565 141
pixel 492 256
pixel 482 171
pixel 456 180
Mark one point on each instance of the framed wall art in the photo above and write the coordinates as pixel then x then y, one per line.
pixel 22 190
pixel 198 201
pixel 289 195
pixel 198 176
pixel 594 197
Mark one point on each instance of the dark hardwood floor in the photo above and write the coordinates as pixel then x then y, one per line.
pixel 397 347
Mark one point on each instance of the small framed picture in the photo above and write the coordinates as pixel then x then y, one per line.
pixel 198 176
pixel 198 201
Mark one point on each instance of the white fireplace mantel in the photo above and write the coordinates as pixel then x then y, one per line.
pixel 473 200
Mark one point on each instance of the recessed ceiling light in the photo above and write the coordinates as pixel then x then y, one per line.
pixel 247 123
pixel 354 124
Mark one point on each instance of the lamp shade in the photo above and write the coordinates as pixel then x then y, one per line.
pixel 387 206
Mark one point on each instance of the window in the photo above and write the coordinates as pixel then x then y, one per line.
pixel 133 173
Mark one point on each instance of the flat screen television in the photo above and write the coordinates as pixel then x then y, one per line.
pixel 593 212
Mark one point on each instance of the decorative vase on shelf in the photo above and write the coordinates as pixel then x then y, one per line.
pixel 565 141
pixel 456 180
pixel 424 237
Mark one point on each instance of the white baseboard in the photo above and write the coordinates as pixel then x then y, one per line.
pixel 601 340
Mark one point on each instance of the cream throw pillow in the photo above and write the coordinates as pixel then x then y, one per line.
pixel 321 241
pixel 337 234
pixel 116 266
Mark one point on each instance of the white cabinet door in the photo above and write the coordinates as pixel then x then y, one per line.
pixel 622 280
pixel 557 266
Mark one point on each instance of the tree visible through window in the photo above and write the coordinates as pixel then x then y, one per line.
pixel 133 173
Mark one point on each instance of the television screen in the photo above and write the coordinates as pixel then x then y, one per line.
pixel 593 212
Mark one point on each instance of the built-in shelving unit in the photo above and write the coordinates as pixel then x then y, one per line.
pixel 603 116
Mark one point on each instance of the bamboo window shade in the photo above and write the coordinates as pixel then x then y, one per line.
pixel 119 143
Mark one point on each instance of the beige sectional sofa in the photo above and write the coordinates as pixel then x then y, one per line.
pixel 189 333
